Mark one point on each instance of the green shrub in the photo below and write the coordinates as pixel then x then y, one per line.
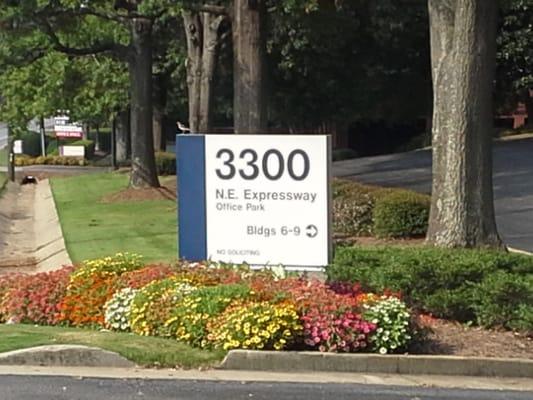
pixel 165 163
pixel 352 208
pixel 31 143
pixel 51 149
pixel 401 214
pixel 505 299
pixel 24 160
pixel 343 154
pixel 492 288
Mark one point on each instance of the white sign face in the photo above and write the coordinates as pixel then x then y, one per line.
pixel 267 199
pixel 68 131
pixel 72 151
pixel 61 120
pixel 17 147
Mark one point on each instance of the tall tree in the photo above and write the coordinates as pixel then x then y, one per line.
pixel 463 61
pixel 249 47
pixel 204 32
pixel 121 29
pixel 334 63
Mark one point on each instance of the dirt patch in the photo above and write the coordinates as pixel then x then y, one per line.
pixel 452 338
pixel 167 191
pixel 374 241
pixel 162 193
pixel 17 240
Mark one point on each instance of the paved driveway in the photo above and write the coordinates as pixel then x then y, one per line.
pixel 513 182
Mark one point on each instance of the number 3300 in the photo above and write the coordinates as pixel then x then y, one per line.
pixel 272 164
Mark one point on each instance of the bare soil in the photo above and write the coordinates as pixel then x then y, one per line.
pixel 162 193
pixel 453 338
pixel 167 191
pixel 16 229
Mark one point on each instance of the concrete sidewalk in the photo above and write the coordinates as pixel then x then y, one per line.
pixel 31 239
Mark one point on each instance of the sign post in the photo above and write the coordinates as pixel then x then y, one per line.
pixel 257 199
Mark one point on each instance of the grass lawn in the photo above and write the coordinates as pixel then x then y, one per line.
pixel 93 228
pixel 146 351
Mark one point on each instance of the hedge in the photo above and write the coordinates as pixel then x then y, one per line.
pixel 24 160
pixel 400 213
pixel 486 287
pixel 31 143
pixel 165 163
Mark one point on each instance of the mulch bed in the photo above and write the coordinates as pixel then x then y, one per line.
pixel 161 193
pixel 452 338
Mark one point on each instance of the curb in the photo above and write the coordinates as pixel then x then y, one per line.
pixel 518 251
pixel 376 364
pixel 65 356
pixel 50 252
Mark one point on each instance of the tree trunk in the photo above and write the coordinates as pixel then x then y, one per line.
pixel 463 60
pixel 160 100
pixel 203 39
pixel 193 32
pixel 157 127
pixel 249 104
pixel 123 132
pixel 143 170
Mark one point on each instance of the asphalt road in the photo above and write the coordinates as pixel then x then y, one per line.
pixel 66 388
pixel 513 183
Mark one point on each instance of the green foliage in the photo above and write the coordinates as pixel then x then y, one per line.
pixel 489 287
pixel 51 148
pixel 352 208
pixel 362 210
pixel 343 154
pixel 31 143
pixel 401 214
pixel 353 52
pixel 505 299
pixel 165 163
pixel 514 52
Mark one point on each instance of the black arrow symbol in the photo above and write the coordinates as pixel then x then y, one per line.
pixel 311 231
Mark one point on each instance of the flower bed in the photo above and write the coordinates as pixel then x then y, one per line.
pixel 208 305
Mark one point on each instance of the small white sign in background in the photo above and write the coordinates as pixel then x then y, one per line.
pixel 268 200
pixel 17 147
pixel 72 151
